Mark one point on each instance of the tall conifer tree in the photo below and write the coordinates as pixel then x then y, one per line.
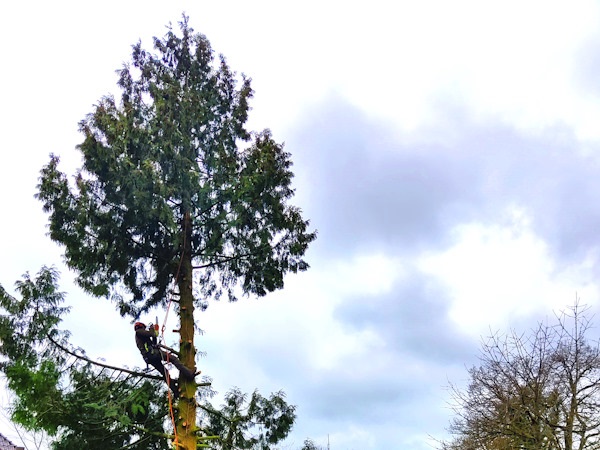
pixel 173 187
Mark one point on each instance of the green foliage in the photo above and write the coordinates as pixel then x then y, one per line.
pixel 108 410
pixel 176 145
pixel 83 406
pixel 79 405
pixel 310 445
pixel 257 423
pixel 30 319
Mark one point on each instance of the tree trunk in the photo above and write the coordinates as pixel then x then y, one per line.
pixel 185 418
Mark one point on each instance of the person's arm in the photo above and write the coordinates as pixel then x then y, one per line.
pixel 140 332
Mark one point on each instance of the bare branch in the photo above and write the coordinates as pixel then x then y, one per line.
pixel 106 366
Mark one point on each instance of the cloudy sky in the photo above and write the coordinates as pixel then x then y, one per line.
pixel 447 152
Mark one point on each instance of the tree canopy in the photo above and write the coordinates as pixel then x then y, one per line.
pixel 170 161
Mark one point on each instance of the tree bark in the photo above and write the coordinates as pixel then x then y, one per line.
pixel 186 408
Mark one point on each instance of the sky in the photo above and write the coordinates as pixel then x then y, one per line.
pixel 448 153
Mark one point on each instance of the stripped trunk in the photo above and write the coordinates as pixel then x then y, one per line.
pixel 185 418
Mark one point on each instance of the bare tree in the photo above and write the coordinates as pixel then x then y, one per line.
pixel 576 362
pixel 532 391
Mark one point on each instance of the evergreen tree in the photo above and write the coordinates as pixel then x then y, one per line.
pixel 83 403
pixel 174 188
pixel 255 423
pixel 79 404
pixel 310 445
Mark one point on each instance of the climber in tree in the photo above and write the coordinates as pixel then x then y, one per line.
pixel 146 341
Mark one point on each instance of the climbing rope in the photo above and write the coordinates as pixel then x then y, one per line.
pixel 168 375
pixel 162 336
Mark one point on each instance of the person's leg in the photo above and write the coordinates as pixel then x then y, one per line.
pixel 156 362
pixel 186 372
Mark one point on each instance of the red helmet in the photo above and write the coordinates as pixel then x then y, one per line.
pixel 138 325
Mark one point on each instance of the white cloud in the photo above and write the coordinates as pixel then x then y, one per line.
pixel 498 273
pixel 510 60
pixel 364 274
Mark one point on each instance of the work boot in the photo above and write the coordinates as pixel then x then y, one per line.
pixel 184 371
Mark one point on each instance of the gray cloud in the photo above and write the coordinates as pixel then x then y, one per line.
pixel 412 319
pixel 368 189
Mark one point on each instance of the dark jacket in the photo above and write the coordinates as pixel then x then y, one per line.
pixel 146 343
